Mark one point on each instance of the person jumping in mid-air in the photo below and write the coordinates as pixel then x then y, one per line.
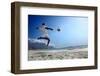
pixel 44 29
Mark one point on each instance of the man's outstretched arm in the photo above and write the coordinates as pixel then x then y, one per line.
pixel 49 28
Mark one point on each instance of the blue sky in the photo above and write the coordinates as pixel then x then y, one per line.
pixel 74 29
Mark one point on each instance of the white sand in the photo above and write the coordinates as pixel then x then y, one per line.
pixel 58 54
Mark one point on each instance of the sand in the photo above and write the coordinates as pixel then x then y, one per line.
pixel 58 54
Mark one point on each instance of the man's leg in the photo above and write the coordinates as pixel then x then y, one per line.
pixel 48 41
pixel 40 38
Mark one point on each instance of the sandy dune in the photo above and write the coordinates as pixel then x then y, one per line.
pixel 59 54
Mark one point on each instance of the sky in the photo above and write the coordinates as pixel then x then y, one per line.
pixel 74 29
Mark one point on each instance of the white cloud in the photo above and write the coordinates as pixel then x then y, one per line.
pixel 40 41
pixel 35 40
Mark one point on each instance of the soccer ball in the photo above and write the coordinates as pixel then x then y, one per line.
pixel 58 30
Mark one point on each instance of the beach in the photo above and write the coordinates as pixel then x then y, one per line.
pixel 61 54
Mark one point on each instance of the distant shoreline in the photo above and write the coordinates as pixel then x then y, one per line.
pixel 58 50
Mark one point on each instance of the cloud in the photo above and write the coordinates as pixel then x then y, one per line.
pixel 36 40
pixel 38 44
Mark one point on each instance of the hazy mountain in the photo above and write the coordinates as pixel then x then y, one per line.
pixel 75 47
